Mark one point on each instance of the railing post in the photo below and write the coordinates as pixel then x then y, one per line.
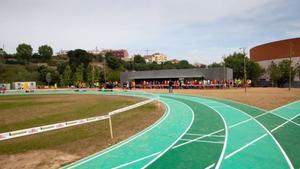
pixel 110 128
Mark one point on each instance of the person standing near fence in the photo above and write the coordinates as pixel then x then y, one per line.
pixel 170 86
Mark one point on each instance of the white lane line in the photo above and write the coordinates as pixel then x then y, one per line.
pixel 266 112
pixel 245 146
pixel 204 141
pixel 270 134
pixel 225 140
pixel 285 105
pixel 257 139
pixel 285 123
pixel 210 166
pixel 98 154
pixel 218 131
pixel 193 134
pixel 179 145
pixel 168 148
pixel 137 160
pixel 286 119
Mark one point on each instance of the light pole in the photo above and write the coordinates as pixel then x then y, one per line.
pixel 245 73
pixel 224 70
pixel 290 68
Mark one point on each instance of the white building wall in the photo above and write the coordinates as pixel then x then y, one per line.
pixel 265 64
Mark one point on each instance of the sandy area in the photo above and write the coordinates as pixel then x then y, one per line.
pixel 266 98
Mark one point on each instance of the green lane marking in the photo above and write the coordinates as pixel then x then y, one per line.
pixel 194 154
pixel 155 140
pixel 289 136
pixel 288 111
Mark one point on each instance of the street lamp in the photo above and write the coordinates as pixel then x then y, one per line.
pixel 245 73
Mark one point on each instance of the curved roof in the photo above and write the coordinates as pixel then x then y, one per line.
pixel 276 50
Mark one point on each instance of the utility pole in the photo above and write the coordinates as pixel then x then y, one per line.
pixel 290 68
pixel 245 73
pixel 224 78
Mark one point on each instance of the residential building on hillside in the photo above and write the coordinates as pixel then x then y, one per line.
pixel 156 57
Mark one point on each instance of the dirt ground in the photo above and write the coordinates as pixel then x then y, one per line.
pixel 57 148
pixel 266 98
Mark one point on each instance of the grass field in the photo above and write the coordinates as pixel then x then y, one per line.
pixel 18 112
pixel 52 149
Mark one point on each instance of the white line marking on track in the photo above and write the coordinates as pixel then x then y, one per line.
pixel 245 146
pixel 270 134
pixel 225 140
pixel 285 123
pixel 285 105
pixel 210 166
pixel 257 139
pixel 93 156
pixel 137 160
pixel 204 141
pixel 208 135
pixel 193 134
pixel 193 117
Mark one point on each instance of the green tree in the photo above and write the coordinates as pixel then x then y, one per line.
pixel 24 53
pixel 97 75
pixel 112 61
pixel 45 52
pixel 78 76
pixel 113 76
pixel 183 64
pixel 297 70
pixel 215 65
pixel 90 75
pixel 168 65
pixel 78 57
pixel 48 78
pixel 284 67
pixel 254 70
pixel 138 59
pixel 66 79
pixel 236 62
pixel 273 72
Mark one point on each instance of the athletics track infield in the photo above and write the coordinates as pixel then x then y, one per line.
pixel 199 132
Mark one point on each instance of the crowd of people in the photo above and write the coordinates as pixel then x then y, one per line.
pixel 184 84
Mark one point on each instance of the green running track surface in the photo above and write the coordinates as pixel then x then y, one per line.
pixel 198 132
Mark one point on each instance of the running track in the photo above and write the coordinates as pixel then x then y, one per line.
pixel 199 132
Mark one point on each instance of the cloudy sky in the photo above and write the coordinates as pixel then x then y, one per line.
pixel 197 30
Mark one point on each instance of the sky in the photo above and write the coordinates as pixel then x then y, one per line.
pixel 201 31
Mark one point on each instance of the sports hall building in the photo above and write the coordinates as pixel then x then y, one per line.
pixel 182 78
pixel 276 51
